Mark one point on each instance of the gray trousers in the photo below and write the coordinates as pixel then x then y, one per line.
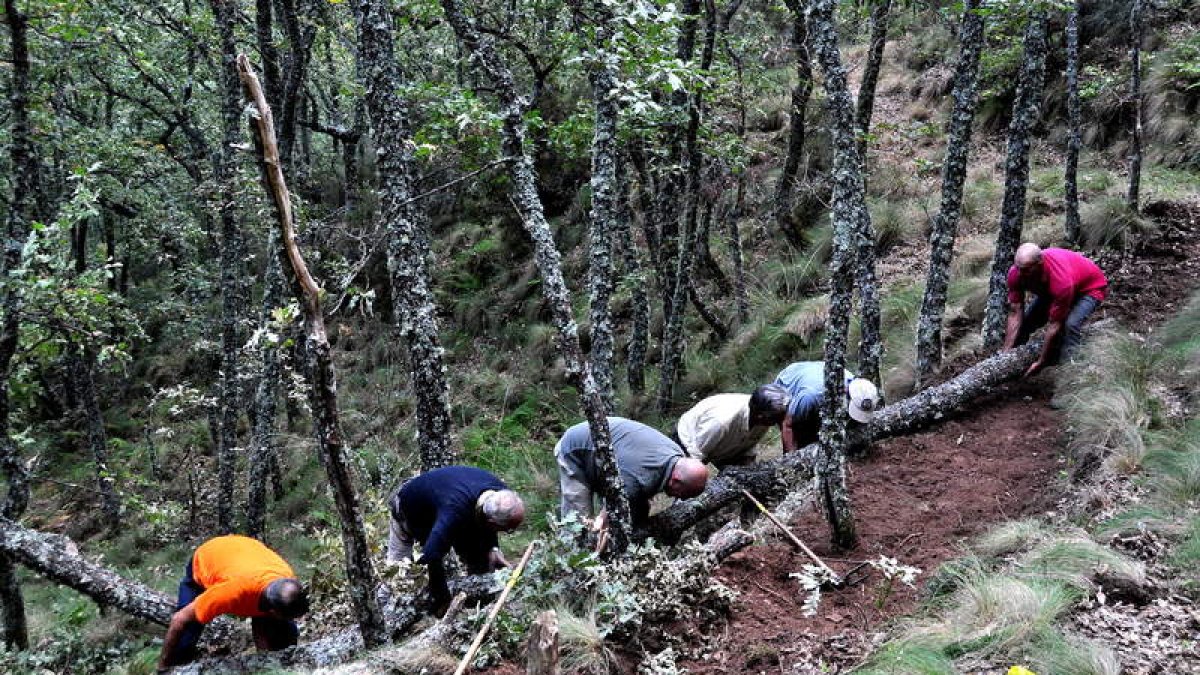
pixel 1037 313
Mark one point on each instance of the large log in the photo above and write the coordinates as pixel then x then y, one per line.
pixel 769 481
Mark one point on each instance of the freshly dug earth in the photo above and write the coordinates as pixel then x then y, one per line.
pixel 918 498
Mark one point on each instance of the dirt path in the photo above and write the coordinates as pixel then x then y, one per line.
pixel 918 498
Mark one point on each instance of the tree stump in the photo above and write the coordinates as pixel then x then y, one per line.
pixel 543 645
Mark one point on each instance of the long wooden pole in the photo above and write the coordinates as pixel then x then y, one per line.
pixel 487 625
pixel 793 537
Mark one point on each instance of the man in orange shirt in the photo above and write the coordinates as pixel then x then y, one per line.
pixel 239 576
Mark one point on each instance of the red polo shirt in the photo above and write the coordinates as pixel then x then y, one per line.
pixel 1066 276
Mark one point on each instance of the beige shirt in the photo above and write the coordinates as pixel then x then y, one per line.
pixel 717 430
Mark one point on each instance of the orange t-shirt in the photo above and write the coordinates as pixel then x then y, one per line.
pixel 234 570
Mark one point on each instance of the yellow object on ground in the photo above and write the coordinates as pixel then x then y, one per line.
pixel 1020 670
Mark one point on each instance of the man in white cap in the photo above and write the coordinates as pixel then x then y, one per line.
pixel 724 429
pixel 459 507
pixel 805 381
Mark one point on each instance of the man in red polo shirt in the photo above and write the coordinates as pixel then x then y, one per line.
pixel 239 576
pixel 1067 287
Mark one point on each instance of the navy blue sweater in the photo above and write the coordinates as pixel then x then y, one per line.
pixel 439 509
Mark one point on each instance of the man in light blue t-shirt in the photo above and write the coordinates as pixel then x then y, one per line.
pixel 805 381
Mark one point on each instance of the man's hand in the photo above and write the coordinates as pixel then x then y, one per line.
pixel 496 559
pixel 1033 369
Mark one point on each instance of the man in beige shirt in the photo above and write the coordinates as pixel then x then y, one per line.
pixel 724 429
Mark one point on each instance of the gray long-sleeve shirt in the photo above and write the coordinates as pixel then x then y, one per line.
pixel 645 458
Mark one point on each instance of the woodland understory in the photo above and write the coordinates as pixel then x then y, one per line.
pixel 266 260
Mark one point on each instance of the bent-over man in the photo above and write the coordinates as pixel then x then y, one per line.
pixel 454 507
pixel 724 429
pixel 239 576
pixel 805 381
pixel 648 461
pixel 1067 288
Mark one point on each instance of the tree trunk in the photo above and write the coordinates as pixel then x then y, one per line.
pixel 81 363
pixel 232 253
pixel 23 210
pixel 596 21
pixel 360 572
pixel 1074 126
pixel 408 241
pixel 1026 109
pixel 523 193
pixel 880 16
pixel 1135 94
pixel 769 481
pixel 796 129
pixel 264 456
pixel 636 278
pixel 849 216
pixel 739 272
pixel 944 229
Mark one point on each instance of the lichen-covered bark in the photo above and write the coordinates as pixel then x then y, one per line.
pixel 769 481
pixel 523 193
pixel 231 256
pixel 408 241
pixel 739 271
pixel 1026 109
pixel 360 571
pixel 81 364
pixel 880 17
pixel 1135 95
pixel 264 456
pixel 22 211
pixel 954 173
pixel 639 306
pixel 1074 127
pixel 796 129
pixel 849 257
pixel 596 22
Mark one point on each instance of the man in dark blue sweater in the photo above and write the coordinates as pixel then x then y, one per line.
pixel 459 507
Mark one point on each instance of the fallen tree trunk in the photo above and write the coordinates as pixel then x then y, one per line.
pixel 769 481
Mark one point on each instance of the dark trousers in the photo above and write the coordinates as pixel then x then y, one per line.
pixel 1037 313
pixel 269 633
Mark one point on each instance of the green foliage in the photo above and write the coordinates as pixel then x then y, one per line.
pixel 1109 222
pixel 1182 62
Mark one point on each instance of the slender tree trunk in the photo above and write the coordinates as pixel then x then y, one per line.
pixel 81 363
pixel 954 174
pixel 408 241
pixel 232 275
pixel 880 16
pixel 1026 109
pixel 850 213
pixel 23 210
pixel 596 22
pixel 636 278
pixel 360 571
pixel 299 27
pixel 264 456
pixel 798 111
pixel 1135 94
pixel 1074 124
pixel 523 193
pixel 739 272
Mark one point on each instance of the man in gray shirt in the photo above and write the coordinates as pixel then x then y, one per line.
pixel 649 463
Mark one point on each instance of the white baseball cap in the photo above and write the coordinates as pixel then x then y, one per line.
pixel 864 399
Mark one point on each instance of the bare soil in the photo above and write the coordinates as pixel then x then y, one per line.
pixel 919 498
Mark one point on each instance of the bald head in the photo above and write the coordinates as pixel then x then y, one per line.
pixel 1028 255
pixel 503 509
pixel 284 597
pixel 688 478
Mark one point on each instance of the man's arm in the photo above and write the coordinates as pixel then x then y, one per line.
pixel 1053 328
pixel 1016 312
pixel 785 434
pixel 179 621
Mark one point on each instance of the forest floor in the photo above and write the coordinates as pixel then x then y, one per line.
pixel 918 498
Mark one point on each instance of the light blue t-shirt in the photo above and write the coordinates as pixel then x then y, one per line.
pixel 805 381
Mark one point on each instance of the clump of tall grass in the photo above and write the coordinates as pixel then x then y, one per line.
pixel 1110 223
pixel 1106 396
